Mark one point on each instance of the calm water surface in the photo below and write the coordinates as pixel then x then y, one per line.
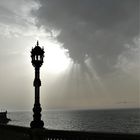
pixel 126 121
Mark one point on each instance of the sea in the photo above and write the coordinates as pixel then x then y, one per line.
pixel 120 120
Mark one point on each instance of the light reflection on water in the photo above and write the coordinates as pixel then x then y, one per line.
pixel 127 121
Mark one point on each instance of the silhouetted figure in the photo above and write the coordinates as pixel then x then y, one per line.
pixel 37 55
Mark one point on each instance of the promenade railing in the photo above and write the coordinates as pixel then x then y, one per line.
pixel 10 132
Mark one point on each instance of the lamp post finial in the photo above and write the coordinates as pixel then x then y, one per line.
pixel 37 43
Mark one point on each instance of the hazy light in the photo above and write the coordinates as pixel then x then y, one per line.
pixel 56 59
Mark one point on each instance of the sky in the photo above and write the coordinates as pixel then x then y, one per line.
pixel 92 53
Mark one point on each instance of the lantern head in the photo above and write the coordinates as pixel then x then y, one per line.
pixel 37 55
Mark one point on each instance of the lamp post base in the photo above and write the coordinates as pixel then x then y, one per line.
pixel 37 124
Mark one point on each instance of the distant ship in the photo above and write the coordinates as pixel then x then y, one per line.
pixel 3 117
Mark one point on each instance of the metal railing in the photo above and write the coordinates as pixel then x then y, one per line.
pixel 9 132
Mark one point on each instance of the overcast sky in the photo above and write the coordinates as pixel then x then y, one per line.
pixel 92 57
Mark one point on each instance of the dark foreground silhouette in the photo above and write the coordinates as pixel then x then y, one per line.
pixel 3 118
pixel 37 55
pixel 9 132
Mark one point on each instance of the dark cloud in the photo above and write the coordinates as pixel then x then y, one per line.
pixel 95 28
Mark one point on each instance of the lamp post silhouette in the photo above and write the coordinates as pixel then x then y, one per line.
pixel 37 55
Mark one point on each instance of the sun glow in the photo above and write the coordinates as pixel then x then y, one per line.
pixel 56 59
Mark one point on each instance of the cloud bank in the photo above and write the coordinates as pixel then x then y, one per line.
pixel 97 29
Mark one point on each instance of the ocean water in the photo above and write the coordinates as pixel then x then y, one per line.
pixel 123 120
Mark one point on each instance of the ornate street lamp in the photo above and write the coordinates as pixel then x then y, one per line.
pixel 37 55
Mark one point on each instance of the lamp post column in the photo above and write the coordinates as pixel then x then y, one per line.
pixel 35 54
